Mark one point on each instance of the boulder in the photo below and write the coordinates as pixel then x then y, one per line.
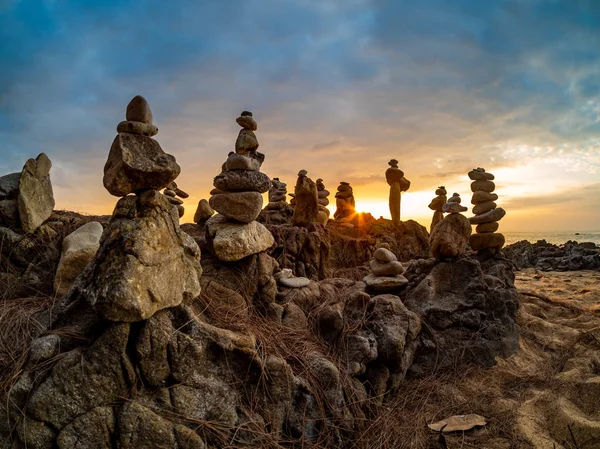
pixel 203 212
pixel 233 241
pixel 145 263
pixel 242 181
pixel 450 236
pixel 78 249
pixel 136 163
pixel 36 199
pixel 240 206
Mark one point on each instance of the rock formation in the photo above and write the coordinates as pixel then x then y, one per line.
pixel 436 205
pixel 173 194
pixel 345 204
pixel 487 215
pixel 277 211
pixel 26 198
pixel 323 194
pixel 398 183
pixel 386 272
pixel 78 249
pixel 307 201
pixel 450 236
pixel 277 194
pixel 237 197
pixel 544 256
pixel 203 212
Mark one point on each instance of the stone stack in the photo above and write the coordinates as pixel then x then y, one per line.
pixel 450 236
pixel 345 204
pixel 237 197
pixel 386 272
pixel 173 194
pixel 26 198
pixel 487 214
pixel 307 201
pixel 277 195
pixel 398 183
pixel 436 205
pixel 323 194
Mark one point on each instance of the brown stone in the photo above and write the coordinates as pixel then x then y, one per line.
pixel 36 199
pixel 488 217
pixel 203 212
pixel 247 122
pixel 246 142
pixel 307 204
pixel 486 186
pixel 487 227
pixel 240 206
pixel 480 197
pixel 484 207
pixel 450 236
pixel 493 240
pixel 138 110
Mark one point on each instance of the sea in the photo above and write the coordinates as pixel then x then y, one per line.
pixel 557 238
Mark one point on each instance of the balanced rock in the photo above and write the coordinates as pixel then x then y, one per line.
pixel 455 198
pixel 487 214
pixel 487 227
pixel 242 181
pixel 345 204
pixel 292 282
pixel 488 217
pixel 278 191
pixel 145 263
pixel 383 284
pixel 484 207
pixel 241 162
pixel 484 186
pixel 398 183
pixel 480 197
pixel 233 241
pixel 479 174
pixel 437 205
pixel 453 208
pixel 78 249
pixel 138 118
pixel 386 272
pixel 450 236
pixel 136 163
pixel 240 206
pixel 323 200
pixel 307 205
pixel 482 241
pixel 203 212
pixel 36 199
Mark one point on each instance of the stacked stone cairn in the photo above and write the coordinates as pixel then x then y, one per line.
pixel 173 194
pixel 345 204
pixel 203 212
pixel 398 183
pixel 26 198
pixel 237 197
pixel 277 195
pixel 323 194
pixel 450 236
pixel 436 205
pixel 487 214
pixel 386 272
pixel 307 201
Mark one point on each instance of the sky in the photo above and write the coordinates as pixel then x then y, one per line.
pixel 338 87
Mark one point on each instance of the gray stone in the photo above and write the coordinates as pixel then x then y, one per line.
pixel 9 213
pixel 454 208
pixel 137 163
pixel 9 186
pixel 36 199
pixel 240 206
pixel 382 284
pixel 488 217
pixel 241 162
pixel 92 430
pixel 392 268
pixel 384 255
pixel 242 181
pixel 78 249
pixel 298 282
pixel 143 129
pixel 246 142
pixel 233 241
pixel 479 174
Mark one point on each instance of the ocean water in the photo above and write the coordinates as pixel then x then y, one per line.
pixel 557 238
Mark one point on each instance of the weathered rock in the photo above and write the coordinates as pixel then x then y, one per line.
pixel 479 174
pixel 233 241
pixel 307 205
pixel 140 128
pixel 480 196
pixel 383 284
pixel 9 213
pixel 145 262
pixel 247 122
pixel 137 163
pixel 450 236
pixel 488 217
pixel 294 282
pixel 438 216
pixel 138 110
pixel 36 199
pixel 384 255
pixel 487 227
pixel 484 207
pixel 386 269
pixel 485 186
pixel 241 206
pixel 545 256
pixel 9 186
pixel 203 212
pixel 78 249
pixel 242 181
pixel 241 162
pixel 94 429
pixel 246 142
pixel 453 208
pixel 488 240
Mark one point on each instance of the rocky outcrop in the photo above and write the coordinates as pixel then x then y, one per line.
pixel 398 183
pixel 78 249
pixel 307 205
pixel 450 236
pixel 277 211
pixel 544 256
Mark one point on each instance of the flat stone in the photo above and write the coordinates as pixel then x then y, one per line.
pixel 180 210
pixel 488 217
pixel 344 194
pixel 78 250
pixel 486 186
pixel 441 190
pixel 241 162
pixel 392 268
pixel 454 208
pixel 455 198
pixel 479 174
pixel 216 191
pixel 484 207
pixel 246 142
pixel 324 201
pixel 384 255
pixel 493 240
pixel 344 187
pixel 481 197
pixel 298 282
pixel 9 186
pixel 233 241
pixel 240 206
pixel 136 163
pixel 487 227
pixel 203 212
pixel 173 200
pixel 138 110
pixel 247 122
pixel 143 129
pixel 242 181
pixel 169 192
pixel 450 236
pixel 381 284
pixel 36 199
pixel 323 193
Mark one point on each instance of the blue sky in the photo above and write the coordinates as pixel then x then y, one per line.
pixel 337 87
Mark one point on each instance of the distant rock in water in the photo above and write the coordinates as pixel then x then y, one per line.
pixel 544 256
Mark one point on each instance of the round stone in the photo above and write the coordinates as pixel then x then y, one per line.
pixel 455 198
pixel 169 192
pixel 441 190
pixel 384 255
pixel 383 284
pixel 392 268
pixel 488 217
pixel 493 240
pixel 481 197
pixel 181 210
pixel 247 122
pixel 242 181
pixel 138 110
pixel 486 186
pixel 133 127
pixel 240 162
pixel 479 174
pixel 487 227
pixel 484 207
